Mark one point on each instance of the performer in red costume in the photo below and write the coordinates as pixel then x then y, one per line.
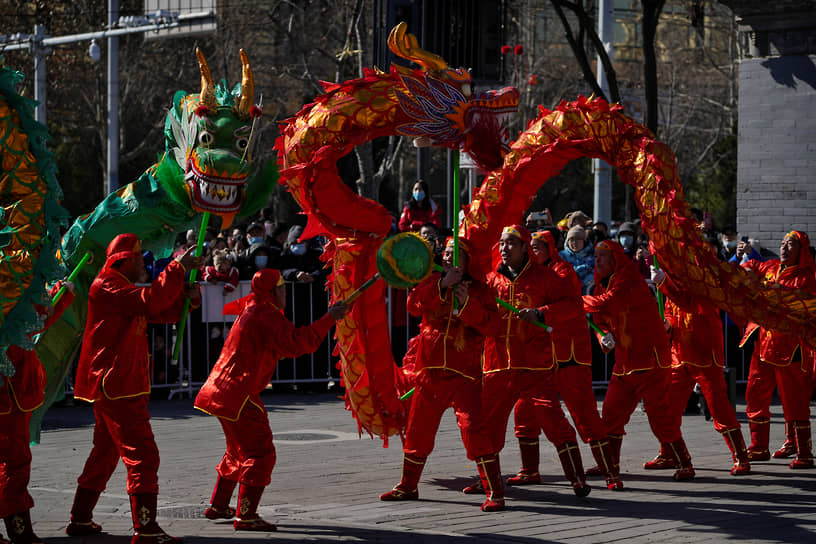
pixel 781 360
pixel 114 374
pixel 21 394
pixel 622 304
pixel 258 339
pixel 573 355
pixel 697 357
pixel 518 360
pixel 449 373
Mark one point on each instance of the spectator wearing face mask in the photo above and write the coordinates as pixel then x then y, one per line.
pixel 257 257
pixel 420 209
pixel 580 255
pixel 300 261
pixel 626 238
pixel 728 243
pixel 255 234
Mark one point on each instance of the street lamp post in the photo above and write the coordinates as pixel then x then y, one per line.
pixel 40 45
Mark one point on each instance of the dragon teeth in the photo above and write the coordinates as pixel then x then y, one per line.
pixel 214 192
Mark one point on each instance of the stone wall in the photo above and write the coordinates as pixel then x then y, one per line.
pixel 776 173
pixel 776 188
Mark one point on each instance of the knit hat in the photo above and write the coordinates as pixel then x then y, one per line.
pixel 577 219
pixel 576 232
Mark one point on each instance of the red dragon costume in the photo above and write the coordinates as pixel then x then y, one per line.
pixel 260 336
pixel 573 356
pixel 622 304
pixel 19 396
pixel 697 357
pixel 449 373
pixel 114 374
pixel 782 360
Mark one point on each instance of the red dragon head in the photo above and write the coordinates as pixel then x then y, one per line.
pixel 443 108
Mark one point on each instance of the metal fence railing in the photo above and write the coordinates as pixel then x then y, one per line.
pixel 208 328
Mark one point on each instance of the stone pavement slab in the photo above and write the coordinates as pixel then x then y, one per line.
pixel 326 484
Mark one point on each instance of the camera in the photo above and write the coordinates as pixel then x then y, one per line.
pixel 745 239
pixel 538 216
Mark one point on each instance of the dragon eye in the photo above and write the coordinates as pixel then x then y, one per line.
pixel 205 138
pixel 241 144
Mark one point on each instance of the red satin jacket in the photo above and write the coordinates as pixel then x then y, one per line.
pixel 516 343
pixel 571 339
pixel 258 339
pixel 775 347
pixel 696 329
pixel 623 305
pixel 115 361
pixel 26 388
pixel 452 342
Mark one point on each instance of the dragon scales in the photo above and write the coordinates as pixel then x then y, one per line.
pixel 437 106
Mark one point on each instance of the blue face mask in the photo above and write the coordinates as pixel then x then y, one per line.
pixel 419 196
pixel 261 260
pixel 298 249
pixel 626 240
pixel 256 240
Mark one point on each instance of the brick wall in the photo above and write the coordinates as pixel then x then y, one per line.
pixel 776 188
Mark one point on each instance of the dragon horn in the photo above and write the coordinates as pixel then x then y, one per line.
pixel 207 98
pixel 406 46
pixel 247 86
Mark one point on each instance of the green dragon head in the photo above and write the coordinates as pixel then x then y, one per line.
pixel 210 135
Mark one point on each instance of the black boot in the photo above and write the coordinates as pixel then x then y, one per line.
pixel 20 530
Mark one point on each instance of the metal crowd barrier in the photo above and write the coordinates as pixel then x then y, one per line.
pixel 208 328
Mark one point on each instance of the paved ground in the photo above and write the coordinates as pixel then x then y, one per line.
pixel 327 480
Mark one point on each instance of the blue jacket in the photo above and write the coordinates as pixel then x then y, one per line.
pixel 582 261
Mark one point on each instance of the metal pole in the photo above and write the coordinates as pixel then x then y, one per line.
pixel 113 100
pixel 602 199
pixel 39 73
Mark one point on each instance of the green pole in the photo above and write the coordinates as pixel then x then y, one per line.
pixel 71 277
pixel 455 217
pixel 595 327
pixel 516 310
pixel 660 304
pixel 205 219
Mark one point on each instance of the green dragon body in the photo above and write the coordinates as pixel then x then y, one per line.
pixel 206 167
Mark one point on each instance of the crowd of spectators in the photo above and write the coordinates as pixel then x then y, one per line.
pixel 236 253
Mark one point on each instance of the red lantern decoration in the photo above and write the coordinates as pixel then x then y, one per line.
pixel 532 80
pixel 505 49
pixel 519 50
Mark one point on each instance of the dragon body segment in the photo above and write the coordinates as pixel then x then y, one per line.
pixel 593 128
pixel 30 218
pixel 206 167
pixel 437 106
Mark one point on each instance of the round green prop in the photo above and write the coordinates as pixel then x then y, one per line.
pixel 404 260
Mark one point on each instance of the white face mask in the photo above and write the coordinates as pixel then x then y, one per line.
pixel 298 249
pixel 261 260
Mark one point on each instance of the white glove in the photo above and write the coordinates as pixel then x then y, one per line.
pixel 657 275
pixel 608 341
